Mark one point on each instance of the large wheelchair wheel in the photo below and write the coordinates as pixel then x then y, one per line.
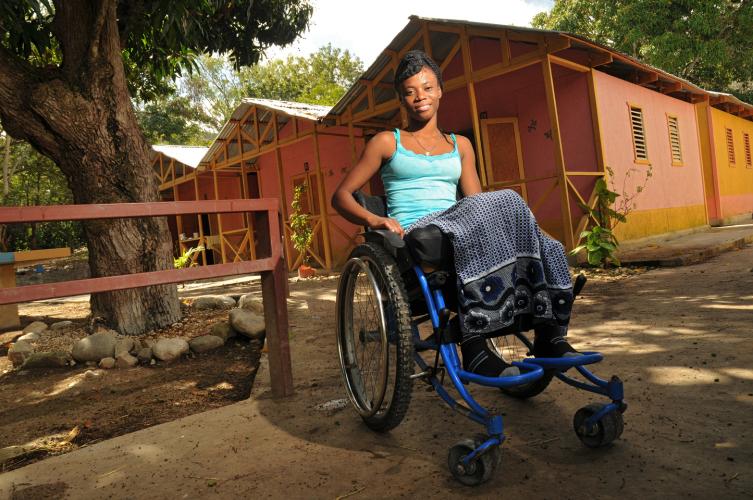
pixel 374 337
pixel 516 347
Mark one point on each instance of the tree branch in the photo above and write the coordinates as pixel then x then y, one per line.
pixel 17 78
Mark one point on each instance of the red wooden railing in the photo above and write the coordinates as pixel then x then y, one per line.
pixel 272 269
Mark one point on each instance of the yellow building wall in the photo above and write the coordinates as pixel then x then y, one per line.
pixel 735 180
pixel 644 223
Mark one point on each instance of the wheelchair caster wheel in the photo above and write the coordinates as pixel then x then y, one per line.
pixel 479 470
pixel 603 431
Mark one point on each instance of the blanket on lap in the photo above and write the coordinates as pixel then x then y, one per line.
pixel 506 267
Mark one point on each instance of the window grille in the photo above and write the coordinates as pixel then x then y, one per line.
pixel 674 140
pixel 730 147
pixel 640 147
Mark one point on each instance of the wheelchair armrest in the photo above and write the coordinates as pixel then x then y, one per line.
pixel 374 204
pixel 393 244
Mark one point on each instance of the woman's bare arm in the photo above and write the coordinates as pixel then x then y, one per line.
pixel 378 150
pixel 469 183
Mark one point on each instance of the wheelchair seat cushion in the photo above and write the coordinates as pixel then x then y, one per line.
pixel 429 246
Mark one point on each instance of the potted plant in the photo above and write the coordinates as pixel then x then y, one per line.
pixel 301 233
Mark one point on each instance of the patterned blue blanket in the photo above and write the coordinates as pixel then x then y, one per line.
pixel 506 266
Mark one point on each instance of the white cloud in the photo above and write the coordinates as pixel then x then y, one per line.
pixel 367 27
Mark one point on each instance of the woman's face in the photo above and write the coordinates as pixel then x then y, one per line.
pixel 421 94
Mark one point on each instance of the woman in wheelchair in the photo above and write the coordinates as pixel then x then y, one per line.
pixel 508 278
pixel 509 274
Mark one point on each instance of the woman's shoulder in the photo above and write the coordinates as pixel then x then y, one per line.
pixel 383 143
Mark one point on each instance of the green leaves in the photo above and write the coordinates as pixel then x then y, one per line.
pixel 708 43
pixel 301 233
pixel 321 78
pixel 161 39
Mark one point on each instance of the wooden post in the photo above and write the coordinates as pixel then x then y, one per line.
pixel 559 156
pixel 468 73
pixel 598 143
pixel 249 219
pixel 9 312
pixel 283 203
pixel 198 219
pixel 323 202
pixel 219 217
pixel 274 293
pixel 178 218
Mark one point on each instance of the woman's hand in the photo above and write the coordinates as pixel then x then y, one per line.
pixel 388 224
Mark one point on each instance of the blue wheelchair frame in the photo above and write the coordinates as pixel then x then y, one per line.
pixel 531 370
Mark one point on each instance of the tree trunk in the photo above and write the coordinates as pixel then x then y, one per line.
pixel 6 164
pixel 81 116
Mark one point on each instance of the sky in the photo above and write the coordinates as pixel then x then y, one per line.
pixel 367 27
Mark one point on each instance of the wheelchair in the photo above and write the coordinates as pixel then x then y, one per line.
pixel 383 297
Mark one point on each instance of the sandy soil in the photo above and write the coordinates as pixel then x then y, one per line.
pixel 680 338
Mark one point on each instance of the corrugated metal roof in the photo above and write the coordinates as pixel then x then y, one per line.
pixel 414 25
pixel 299 109
pixel 187 155
pixel 312 112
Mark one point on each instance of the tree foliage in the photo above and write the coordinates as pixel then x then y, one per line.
pixel 321 78
pixel 162 38
pixel 215 88
pixel 35 180
pixel 173 119
pixel 707 43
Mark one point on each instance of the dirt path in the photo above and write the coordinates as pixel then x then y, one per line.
pixel 680 338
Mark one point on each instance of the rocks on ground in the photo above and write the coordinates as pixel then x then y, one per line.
pixel 247 323
pixel 35 327
pixel 222 330
pixel 213 302
pixel 54 359
pixel 170 349
pixel 125 360
pixel 95 347
pixel 61 325
pixel 19 351
pixel 205 343
pixel 107 363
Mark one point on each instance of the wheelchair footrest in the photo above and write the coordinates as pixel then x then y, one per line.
pixel 565 363
pixel 530 373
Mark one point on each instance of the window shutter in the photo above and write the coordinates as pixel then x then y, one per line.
pixel 730 147
pixel 746 141
pixel 639 133
pixel 674 140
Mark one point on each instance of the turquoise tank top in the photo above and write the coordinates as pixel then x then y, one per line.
pixel 417 185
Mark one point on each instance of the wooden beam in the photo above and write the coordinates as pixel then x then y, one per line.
pixel 646 78
pixel 669 87
pixel 559 156
pixel 593 102
pixel 219 217
pixel 471 88
pixel 200 223
pixel 426 39
pixel 599 59
pixel 450 56
pixel 566 63
pixel 556 43
pixel 504 47
pixel 323 202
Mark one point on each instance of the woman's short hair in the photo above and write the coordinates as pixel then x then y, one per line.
pixel 411 64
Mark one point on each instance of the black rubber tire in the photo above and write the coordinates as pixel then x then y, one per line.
pixel 531 389
pixel 397 315
pixel 607 429
pixel 481 469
